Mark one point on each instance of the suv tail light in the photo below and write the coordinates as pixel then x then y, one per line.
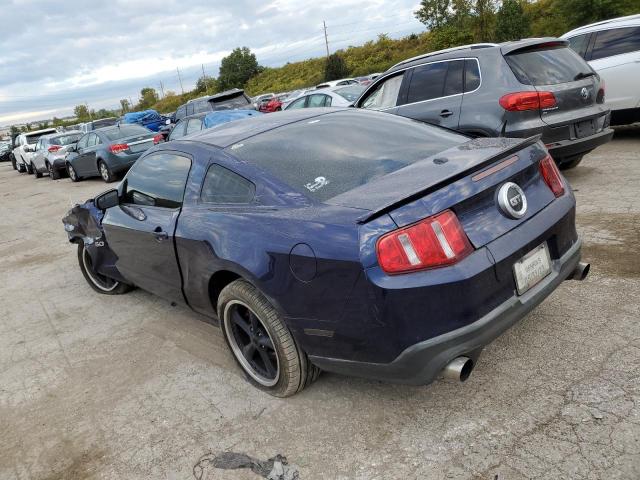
pixel 430 243
pixel 118 147
pixel 54 148
pixel 551 175
pixel 158 138
pixel 521 101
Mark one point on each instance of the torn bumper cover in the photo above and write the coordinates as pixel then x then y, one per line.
pixel 83 224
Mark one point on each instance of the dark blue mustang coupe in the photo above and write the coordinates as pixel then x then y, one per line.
pixel 342 240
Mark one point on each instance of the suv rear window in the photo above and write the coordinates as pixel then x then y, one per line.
pixel 548 66
pixel 230 103
pixel 125 131
pixel 342 150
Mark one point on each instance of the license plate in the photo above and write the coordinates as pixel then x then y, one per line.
pixel 140 147
pixel 585 129
pixel 532 268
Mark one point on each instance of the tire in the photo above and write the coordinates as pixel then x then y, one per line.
pixel 54 173
pixel 36 172
pixel 243 311
pixel 105 172
pixel 99 283
pixel 29 168
pixel 571 163
pixel 13 162
pixel 72 173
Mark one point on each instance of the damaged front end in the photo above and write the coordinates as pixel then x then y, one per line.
pixel 83 224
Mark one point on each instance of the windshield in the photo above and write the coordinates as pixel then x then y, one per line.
pixel 549 66
pixel 229 103
pixel 124 131
pixel 104 122
pixel 350 93
pixel 332 154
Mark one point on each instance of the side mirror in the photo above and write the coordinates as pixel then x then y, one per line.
pixel 108 199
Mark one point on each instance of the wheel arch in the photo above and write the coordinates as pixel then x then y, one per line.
pixel 218 281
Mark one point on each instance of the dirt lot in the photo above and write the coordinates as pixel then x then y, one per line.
pixel 94 386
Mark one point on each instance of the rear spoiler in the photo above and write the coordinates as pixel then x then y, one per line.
pixel 370 215
pixel 532 44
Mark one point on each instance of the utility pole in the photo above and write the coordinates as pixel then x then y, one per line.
pixel 326 40
pixel 180 78
pixel 161 89
pixel 204 79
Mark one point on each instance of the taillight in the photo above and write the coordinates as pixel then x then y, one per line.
pixel 54 148
pixel 600 96
pixel 521 101
pixel 433 242
pixel 118 147
pixel 551 175
pixel 157 139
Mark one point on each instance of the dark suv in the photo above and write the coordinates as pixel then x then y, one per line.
pixel 228 100
pixel 513 89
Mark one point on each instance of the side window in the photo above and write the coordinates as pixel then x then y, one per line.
pixel 616 42
pixel 579 44
pixel 82 143
pixel 194 125
pixel 157 180
pixel 316 101
pixel 221 185
pixel 427 82
pixel 181 112
pixel 385 95
pixel 39 144
pixel 93 140
pixel 471 75
pixel 178 131
pixel 453 82
pixel 299 103
pixel 327 101
pixel 202 106
pixel 190 109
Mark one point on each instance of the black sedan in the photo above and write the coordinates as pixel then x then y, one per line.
pixel 108 151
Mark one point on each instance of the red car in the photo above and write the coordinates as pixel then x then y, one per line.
pixel 273 105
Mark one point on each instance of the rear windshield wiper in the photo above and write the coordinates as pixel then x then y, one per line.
pixel 582 75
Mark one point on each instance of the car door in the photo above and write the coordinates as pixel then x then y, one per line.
pixel 141 229
pixel 76 160
pixel 615 55
pixel 87 161
pixel 434 93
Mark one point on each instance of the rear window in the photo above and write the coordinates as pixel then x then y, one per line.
pixel 105 122
pixel 229 103
pixel 65 140
pixel 332 154
pixel 125 131
pixel 549 66
pixel 33 139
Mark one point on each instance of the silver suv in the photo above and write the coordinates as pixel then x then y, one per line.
pixel 514 89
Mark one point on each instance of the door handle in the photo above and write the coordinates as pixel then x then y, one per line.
pixel 160 234
pixel 446 113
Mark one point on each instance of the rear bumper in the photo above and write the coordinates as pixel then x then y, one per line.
pixel 422 362
pixel 567 149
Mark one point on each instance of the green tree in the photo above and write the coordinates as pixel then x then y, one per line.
pixel 433 13
pixel 237 68
pixel 206 84
pixel 124 105
pixel 14 130
pixel 484 20
pixel 335 68
pixel 148 97
pixel 582 12
pixel 81 112
pixel 511 22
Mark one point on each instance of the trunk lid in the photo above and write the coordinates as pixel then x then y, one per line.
pixel 465 179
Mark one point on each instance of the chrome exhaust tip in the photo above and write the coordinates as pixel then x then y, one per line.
pixel 458 369
pixel 580 272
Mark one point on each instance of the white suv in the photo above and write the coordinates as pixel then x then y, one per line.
pixel 612 48
pixel 25 147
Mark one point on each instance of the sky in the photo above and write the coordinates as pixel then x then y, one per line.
pixel 57 54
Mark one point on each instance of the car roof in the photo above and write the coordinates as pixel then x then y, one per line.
pixel 628 21
pixel 41 132
pixel 63 134
pixel 233 132
pixel 226 93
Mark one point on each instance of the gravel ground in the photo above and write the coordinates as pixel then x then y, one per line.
pixel 93 386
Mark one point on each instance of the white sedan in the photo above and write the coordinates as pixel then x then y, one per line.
pixel 328 97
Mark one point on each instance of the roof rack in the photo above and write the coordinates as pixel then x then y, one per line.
pixel 473 46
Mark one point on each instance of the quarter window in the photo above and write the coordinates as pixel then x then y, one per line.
pixel 221 185
pixel 616 42
pixel 579 44
pixel 385 95
pixel 471 75
pixel 317 101
pixel 157 180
